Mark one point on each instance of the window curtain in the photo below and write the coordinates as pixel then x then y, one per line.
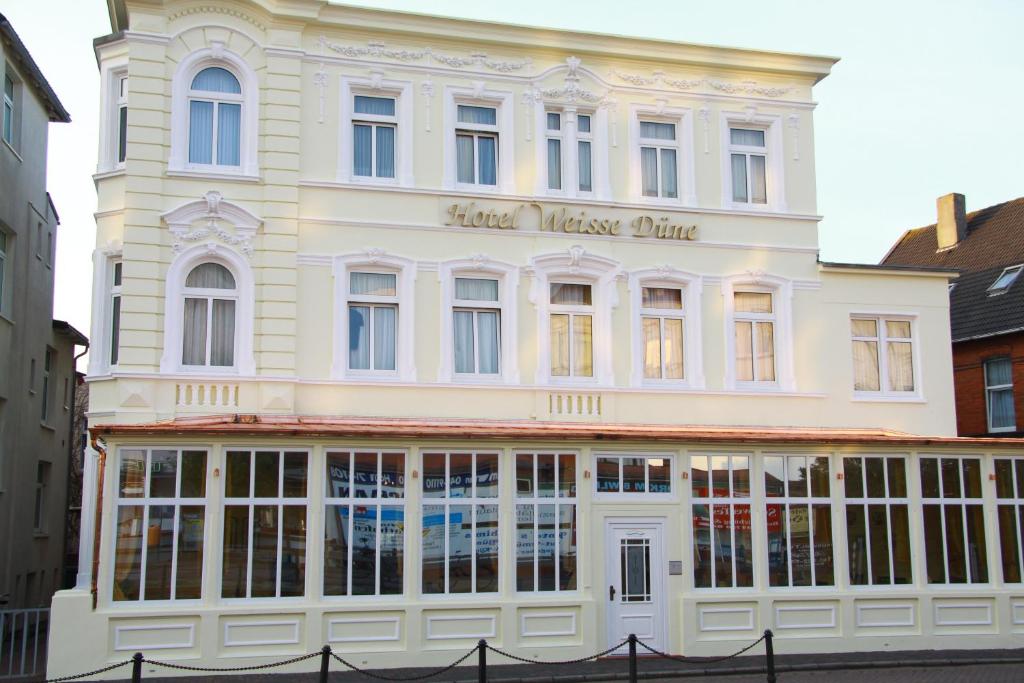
pixel 464 350
pixel 865 365
pixel 216 79
pixel 554 164
pixel 570 294
pixel 384 337
pixel 229 134
pixel 758 182
pixel 753 302
pixel 476 289
pixel 586 180
pixel 200 132
pixel 744 351
pixel 210 276
pixel 222 333
pixel 359 337
pixel 749 138
pixel 652 347
pixel 669 181
pixel 487 116
pixel 488 160
pixel 657 131
pixel 582 346
pixel 765 352
pixel 554 121
pixel 362 150
pixel 377 106
pixel 901 368
pixel 739 177
pixel 661 297
pixel 193 338
pixel 464 158
pixel 372 284
pixel 385 152
pixel 1000 409
pixel 649 170
pixel 673 348
pixel 560 345
pixel 487 334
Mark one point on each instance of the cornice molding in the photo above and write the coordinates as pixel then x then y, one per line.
pixel 658 78
pixel 216 9
pixel 378 50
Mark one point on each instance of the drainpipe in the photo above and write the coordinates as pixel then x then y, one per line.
pixel 97 523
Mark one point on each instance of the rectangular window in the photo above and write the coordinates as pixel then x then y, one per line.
pixel 48 368
pixel 882 355
pixel 161 513
pixel 748 155
pixel 39 510
pixel 476 145
pixel 554 141
pixel 372 321
pixel 122 118
pixel 49 248
pixel 799 520
pixel 265 498
pixel 877 520
pixel 572 325
pixel 584 153
pixel 364 523
pixel 460 523
pixel 545 522
pixel 661 317
pixel 658 150
pixel 3 270
pixel 477 319
pixel 8 130
pixel 374 125
pixel 115 311
pixel 722 542
pixel 649 476
pixel 954 520
pixel 754 321
pixel 999 395
pixel 1010 511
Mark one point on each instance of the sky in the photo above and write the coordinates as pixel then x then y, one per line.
pixel 922 103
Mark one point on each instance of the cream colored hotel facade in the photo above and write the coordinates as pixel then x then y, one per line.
pixel 413 331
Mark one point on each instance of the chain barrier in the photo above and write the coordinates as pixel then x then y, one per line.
pixel 77 677
pixel 256 667
pixel 525 660
pixel 421 677
pixel 699 660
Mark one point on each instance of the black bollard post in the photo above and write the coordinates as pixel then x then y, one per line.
pixel 769 651
pixel 632 658
pixel 481 661
pixel 325 662
pixel 137 667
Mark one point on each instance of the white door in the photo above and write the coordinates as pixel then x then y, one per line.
pixel 635 573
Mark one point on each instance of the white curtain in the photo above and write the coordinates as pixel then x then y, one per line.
pixel 753 302
pixel 652 347
pixel 384 337
pixel 229 134
pixel 1000 401
pixel 765 352
pixel 748 138
pixel 586 180
pixel 560 345
pixel 375 284
pixel 464 158
pixel 362 150
pixel 488 160
pixel 649 170
pixel 464 351
pixel 669 181
pixel 744 351
pixel 487 334
pixel 739 177
pixel 200 132
pixel 758 183
pixel 210 276
pixel 482 115
pixel 673 348
pixel 582 346
pixel 554 164
pixel 476 289
pixel 378 106
pixel 570 294
pixel 385 151
pixel 216 79
pixel 661 297
pixel 359 337
pixel 657 131
pixel 901 367
pixel 222 333
pixel 193 339
pixel 865 365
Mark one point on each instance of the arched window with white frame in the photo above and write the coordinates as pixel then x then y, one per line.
pixel 666 332
pixel 210 298
pixel 215 118
pixel 758 334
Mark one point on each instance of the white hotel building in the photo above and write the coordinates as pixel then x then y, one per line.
pixel 412 331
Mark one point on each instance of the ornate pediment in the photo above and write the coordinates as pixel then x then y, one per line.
pixel 212 218
pixel 570 91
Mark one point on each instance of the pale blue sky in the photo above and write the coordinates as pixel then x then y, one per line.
pixel 925 100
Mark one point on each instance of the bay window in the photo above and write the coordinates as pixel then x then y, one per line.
pixel 877 520
pixel 722 542
pixel 264 542
pixel 215 118
pixel 658 159
pixel 460 542
pixel 798 515
pixel 747 157
pixel 571 326
pixel 754 327
pixel 476 316
pixel 476 145
pixel 999 395
pixel 662 323
pixel 883 358
pixel 546 526
pixel 374 127
pixel 954 520
pixel 160 524
pixel 1010 512
pixel 372 321
pixel 364 522
pixel 210 297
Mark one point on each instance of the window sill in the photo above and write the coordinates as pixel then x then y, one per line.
pixel 887 398
pixel 48 427
pixel 212 174
pixel 40 534
pixel 108 173
pixel 13 151
pixel 4 317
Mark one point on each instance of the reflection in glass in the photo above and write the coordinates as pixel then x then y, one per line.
pixel 128 551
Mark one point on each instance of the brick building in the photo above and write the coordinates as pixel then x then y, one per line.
pixel 986 248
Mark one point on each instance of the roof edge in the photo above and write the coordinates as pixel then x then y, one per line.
pixel 890 269
pixel 56 110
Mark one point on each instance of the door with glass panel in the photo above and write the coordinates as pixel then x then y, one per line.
pixel 635 573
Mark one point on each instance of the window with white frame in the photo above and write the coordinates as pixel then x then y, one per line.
pixel 648 476
pixel 115 311
pixel 460 543
pixel 265 520
pixel 954 520
pixel 3 271
pixel 9 109
pixel 999 395
pixel 754 318
pixel 215 118
pixel 584 153
pixel 553 135
pixel 877 520
pixel 659 150
pixel 572 329
pixel 161 515
pixel 798 517
pixel 374 129
pixel 662 327
pixel 210 297
pixel 121 83
pixel 1010 512
pixel 476 318
pixel 748 154
pixel 722 541
pixel 546 532
pixel 883 357
pixel 1005 280
pixel 372 321
pixel 476 145
pixel 364 522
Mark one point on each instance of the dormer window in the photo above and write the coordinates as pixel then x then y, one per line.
pixel 1005 280
pixel 215 118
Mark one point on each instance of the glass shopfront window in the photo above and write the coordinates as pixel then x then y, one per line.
pixel 546 523
pixel 722 543
pixel 954 520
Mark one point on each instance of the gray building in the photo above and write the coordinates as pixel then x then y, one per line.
pixel 37 353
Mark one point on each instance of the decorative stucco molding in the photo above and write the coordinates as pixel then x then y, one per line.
pixel 379 50
pixel 212 209
pixel 659 79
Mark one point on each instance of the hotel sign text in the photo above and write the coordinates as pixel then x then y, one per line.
pixel 566 220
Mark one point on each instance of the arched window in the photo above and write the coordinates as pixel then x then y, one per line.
pixel 215 118
pixel 208 325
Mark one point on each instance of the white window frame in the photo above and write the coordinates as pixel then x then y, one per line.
pixel 993 388
pixel 571 137
pixel 1016 502
pixel 558 502
pixel 146 503
pixel 103 261
pixel 682 118
pixel 375 261
pixel 781 290
pixel 772 125
pixel 692 287
pixel 632 496
pixel 111 74
pixel 210 295
pixel 560 136
pixel 865 501
pixel 402 93
pixel 504 130
pixel 11 112
pixel 575 265
pixel 6 241
pixel 808 501
pixel 573 311
pixel 732 500
pixel 181 93
pixel 1014 272
pixel 507 276
pixel 962 501
pixel 114 303
pixel 373 302
pixel 747 151
pixel 884 393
